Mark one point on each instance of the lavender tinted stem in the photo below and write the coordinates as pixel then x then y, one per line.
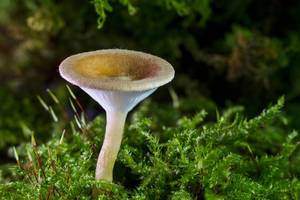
pixel 111 145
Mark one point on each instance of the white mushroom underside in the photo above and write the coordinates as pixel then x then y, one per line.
pixel 115 100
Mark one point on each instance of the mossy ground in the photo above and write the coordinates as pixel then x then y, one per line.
pixel 190 158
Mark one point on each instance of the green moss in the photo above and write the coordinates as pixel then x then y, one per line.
pixel 191 159
pixel 183 8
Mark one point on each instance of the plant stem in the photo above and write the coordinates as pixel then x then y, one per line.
pixel 115 121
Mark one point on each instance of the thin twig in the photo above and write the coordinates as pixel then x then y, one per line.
pixel 32 171
pixel 77 102
pixel 49 192
pixel 35 151
pixel 50 111
pixel 55 99
pixel 39 161
pixel 60 142
pixel 81 108
pixel 68 178
pixel 31 167
pixel 52 162
pixel 82 127
pixel 53 190
pixel 26 171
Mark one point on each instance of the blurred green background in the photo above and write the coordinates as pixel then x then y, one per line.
pixel 225 52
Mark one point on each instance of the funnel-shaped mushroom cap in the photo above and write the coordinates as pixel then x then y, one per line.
pixel 115 78
pixel 116 69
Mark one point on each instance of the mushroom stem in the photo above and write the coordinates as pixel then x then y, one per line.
pixel 115 121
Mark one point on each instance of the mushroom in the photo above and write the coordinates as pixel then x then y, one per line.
pixel 118 80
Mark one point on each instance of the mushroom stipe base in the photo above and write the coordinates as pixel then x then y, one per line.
pixel 111 145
